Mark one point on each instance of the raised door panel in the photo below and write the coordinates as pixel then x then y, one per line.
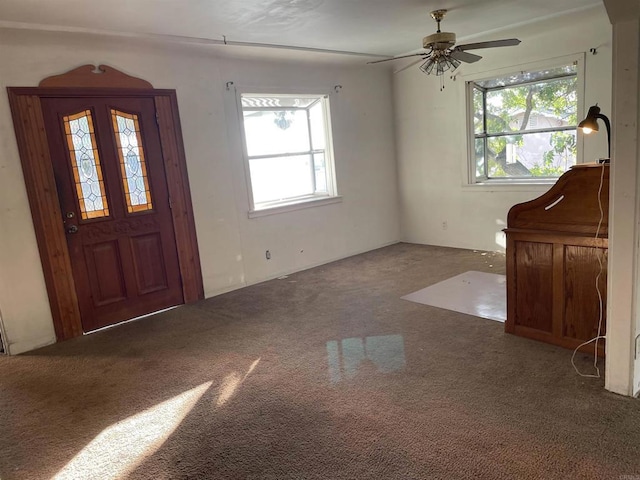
pixel 106 277
pixel 148 260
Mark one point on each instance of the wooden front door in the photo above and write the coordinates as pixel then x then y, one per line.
pixel 110 177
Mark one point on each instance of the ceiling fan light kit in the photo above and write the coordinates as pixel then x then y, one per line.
pixel 438 64
pixel 442 54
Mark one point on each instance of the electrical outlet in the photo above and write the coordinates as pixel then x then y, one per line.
pixel 267 255
pixel 444 225
pixel 635 356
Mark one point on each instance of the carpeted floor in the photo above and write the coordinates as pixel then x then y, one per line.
pixel 326 374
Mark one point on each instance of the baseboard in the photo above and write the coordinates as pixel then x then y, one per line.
pixel 26 346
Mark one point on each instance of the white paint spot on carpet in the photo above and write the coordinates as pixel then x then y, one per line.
pixel 474 293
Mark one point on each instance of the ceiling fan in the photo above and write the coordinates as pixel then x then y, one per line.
pixel 442 54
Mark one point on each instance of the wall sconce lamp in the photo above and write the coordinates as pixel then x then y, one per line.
pixel 590 124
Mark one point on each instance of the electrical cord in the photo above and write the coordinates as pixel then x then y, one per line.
pixel 600 302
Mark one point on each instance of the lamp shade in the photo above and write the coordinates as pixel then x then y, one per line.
pixel 590 123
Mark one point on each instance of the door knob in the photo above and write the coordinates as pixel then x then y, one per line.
pixel 72 229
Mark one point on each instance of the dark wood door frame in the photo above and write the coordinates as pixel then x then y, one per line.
pixel 45 207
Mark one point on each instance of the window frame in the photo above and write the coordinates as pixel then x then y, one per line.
pixel 302 201
pixel 469 85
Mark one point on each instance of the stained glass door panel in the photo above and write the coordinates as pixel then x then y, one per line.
pixel 133 166
pixel 111 181
pixel 85 164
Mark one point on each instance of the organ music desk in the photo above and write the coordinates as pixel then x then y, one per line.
pixel 553 257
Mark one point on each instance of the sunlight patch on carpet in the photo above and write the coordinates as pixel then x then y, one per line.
pixel 228 388
pixel 474 293
pixel 123 446
pixel 231 383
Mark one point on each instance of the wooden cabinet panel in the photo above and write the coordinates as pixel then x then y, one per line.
pixel 582 305
pixel 534 285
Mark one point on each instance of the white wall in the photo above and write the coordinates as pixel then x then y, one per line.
pixel 623 319
pixel 623 237
pixel 232 247
pixel 436 207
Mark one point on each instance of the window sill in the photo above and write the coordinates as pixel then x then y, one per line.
pixel 314 202
pixel 511 185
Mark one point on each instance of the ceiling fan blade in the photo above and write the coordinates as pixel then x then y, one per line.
pixel 464 56
pixel 415 62
pixel 396 58
pixel 507 42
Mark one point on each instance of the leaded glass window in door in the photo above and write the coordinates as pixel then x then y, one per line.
pixel 85 163
pixel 133 166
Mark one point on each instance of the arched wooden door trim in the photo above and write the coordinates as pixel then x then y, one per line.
pixel 34 152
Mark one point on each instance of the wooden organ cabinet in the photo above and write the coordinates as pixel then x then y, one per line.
pixel 553 256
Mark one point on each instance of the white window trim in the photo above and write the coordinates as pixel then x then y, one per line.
pixel 292 207
pixel 300 202
pixel 518 184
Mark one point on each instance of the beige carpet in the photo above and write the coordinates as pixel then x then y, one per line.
pixel 327 374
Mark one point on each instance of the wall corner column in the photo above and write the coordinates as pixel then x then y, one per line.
pixel 623 287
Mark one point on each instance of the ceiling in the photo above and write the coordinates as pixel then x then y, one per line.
pixel 379 27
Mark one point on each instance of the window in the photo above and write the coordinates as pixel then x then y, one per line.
pixel 523 126
pixel 133 166
pixel 287 148
pixel 85 162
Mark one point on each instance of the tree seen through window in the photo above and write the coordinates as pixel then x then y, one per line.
pixel 524 125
